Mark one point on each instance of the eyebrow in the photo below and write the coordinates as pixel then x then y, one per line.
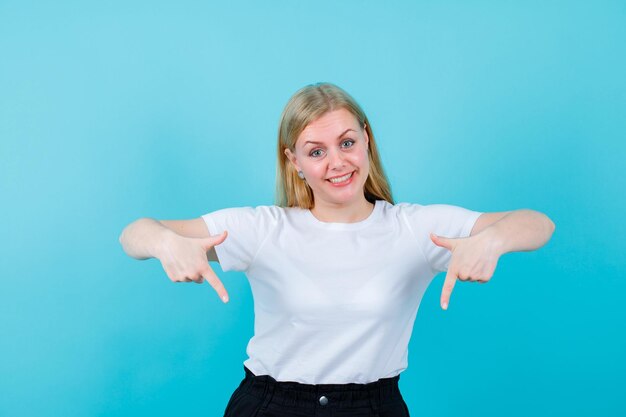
pixel 320 143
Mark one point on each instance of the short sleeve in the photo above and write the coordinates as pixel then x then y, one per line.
pixel 247 228
pixel 443 220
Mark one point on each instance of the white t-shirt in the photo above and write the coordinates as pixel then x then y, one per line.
pixel 335 303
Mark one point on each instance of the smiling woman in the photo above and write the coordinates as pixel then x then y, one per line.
pixel 337 270
pixel 324 129
pixel 335 166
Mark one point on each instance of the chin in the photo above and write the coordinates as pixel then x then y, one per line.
pixel 344 199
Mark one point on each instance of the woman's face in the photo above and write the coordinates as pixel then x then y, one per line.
pixel 332 154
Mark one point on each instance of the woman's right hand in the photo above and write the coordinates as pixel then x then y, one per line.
pixel 184 259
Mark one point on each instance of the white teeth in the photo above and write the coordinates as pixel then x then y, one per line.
pixel 341 179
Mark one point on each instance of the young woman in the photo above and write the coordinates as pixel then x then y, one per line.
pixel 337 270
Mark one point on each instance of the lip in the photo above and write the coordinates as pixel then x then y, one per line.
pixel 343 184
pixel 338 176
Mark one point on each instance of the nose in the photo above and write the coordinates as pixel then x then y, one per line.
pixel 336 160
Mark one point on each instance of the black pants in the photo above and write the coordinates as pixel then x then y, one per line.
pixel 263 396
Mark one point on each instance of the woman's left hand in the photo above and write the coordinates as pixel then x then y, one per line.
pixel 473 259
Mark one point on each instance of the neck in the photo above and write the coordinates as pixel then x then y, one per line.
pixel 346 213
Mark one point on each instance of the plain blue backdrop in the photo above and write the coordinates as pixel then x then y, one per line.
pixel 111 111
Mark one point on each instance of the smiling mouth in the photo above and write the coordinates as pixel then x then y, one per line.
pixel 344 178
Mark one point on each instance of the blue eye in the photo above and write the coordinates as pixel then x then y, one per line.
pixel 348 141
pixel 315 153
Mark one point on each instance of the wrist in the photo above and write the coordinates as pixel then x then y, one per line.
pixel 164 240
pixel 497 243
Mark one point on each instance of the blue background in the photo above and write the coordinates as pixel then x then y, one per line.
pixel 111 111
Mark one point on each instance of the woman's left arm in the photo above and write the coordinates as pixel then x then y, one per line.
pixel 474 258
pixel 515 231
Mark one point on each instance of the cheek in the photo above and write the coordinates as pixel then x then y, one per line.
pixel 313 170
pixel 363 160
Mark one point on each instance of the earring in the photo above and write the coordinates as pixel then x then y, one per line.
pixel 301 175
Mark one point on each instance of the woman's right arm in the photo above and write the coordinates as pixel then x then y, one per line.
pixel 184 248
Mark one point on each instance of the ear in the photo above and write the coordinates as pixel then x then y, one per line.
pixel 292 158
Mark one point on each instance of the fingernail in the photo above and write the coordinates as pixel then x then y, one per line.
pixel 445 306
pixel 225 298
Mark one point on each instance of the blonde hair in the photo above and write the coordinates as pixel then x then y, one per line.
pixel 305 106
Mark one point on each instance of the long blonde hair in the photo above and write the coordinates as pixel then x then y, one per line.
pixel 305 106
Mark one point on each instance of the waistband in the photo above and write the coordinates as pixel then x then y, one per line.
pixel 376 394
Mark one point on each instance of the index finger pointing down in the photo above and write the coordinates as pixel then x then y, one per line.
pixel 448 286
pixel 215 282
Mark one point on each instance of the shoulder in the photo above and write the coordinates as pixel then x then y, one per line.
pixel 400 209
pixel 426 209
pixel 433 213
pixel 267 211
pixel 258 216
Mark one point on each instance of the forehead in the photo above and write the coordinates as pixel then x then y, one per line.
pixel 328 127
